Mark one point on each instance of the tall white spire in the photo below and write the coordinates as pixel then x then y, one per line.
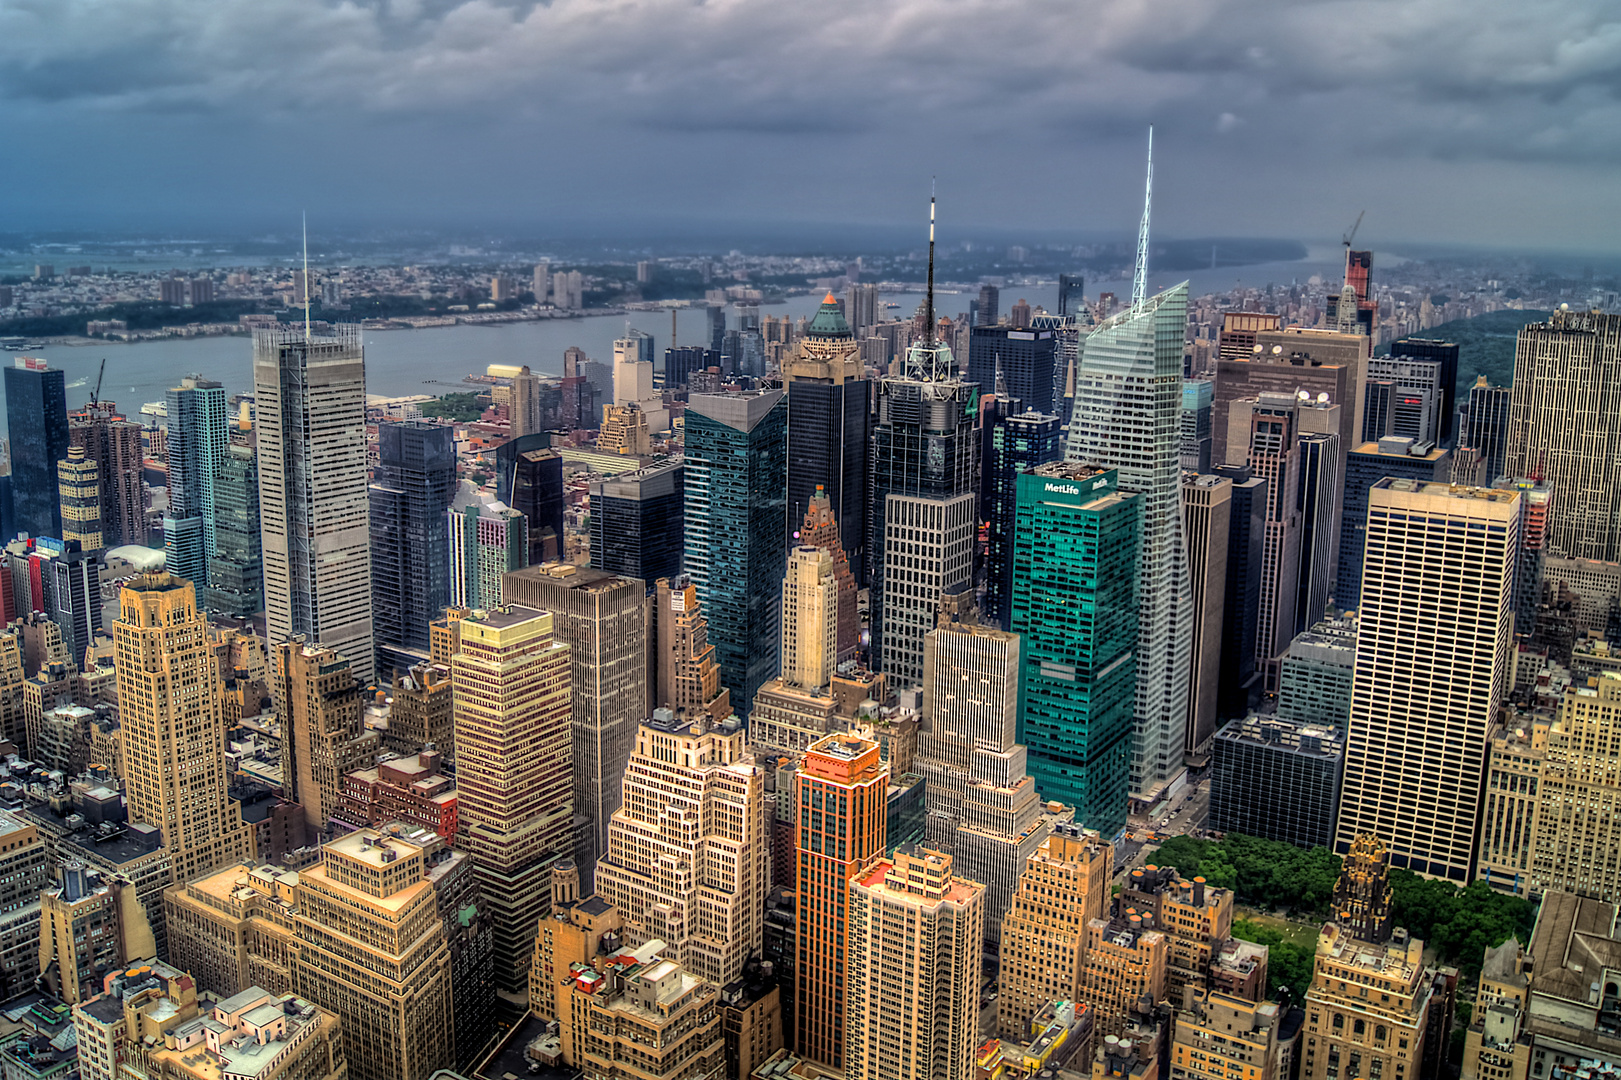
pixel 1139 281
pixel 306 218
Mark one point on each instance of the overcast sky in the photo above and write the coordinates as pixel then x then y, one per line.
pixel 1484 122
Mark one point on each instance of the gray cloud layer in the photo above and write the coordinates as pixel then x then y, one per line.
pixel 1483 119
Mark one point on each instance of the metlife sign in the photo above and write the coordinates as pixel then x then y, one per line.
pixel 1076 490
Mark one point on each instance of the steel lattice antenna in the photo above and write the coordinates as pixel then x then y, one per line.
pixel 306 277
pixel 1139 281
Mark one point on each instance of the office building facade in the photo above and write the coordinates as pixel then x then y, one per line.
pixel 78 482
pixel 1127 399
pixel 1075 607
pixel 1445 355
pixel 236 576
pixel 310 398
pixel 1240 621
pixel 829 417
pixel 1485 428
pixel 411 488
pixel 37 422
pixel 1207 512
pixel 197 444
pixel 1365 466
pixel 638 522
pixel 1014 443
pixel 114 444
pixel 1024 357
pixel 1278 779
pixel 322 736
pixel 1434 645
pixel 736 525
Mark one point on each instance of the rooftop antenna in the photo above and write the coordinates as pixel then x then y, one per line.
pixel 306 277
pixel 1139 282
pixel 928 326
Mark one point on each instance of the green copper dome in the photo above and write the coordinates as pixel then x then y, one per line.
pixel 829 321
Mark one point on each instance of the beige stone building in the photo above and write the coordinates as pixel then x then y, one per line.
pixel 1508 824
pixel 174 734
pixel 123 1023
pixel 1196 920
pixel 1367 1011
pixel 420 713
pixel 1065 885
pixel 323 737
pixel 1220 1037
pixel 797 707
pixel 635 1015
pixel 686 678
pixel 688 851
pixel 915 943
pixel 255 1035
pixel 577 930
pixel 233 929
pixel 1124 974
pixel 89 925
pixel 514 781
pixel 1494 1047
pixel 1578 825
pixel 372 950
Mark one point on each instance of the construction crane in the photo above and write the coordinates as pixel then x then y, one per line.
pixel 95 395
pixel 1350 236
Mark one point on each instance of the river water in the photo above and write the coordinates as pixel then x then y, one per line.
pixel 434 360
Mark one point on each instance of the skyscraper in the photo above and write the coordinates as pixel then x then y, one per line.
pixel 796 708
pixel 310 395
pixel 1577 796
pixel 487 540
pixel 1241 609
pixel 411 488
pixel 1486 426
pixel 829 406
pixel 1075 607
pixel 680 364
pixel 695 799
pixel 236 576
pixel 37 421
pixel 524 406
pixel 1365 466
pixel 602 618
pixel 686 676
pixel 1023 356
pixel 861 308
pixel 1322 464
pixel 925 479
pixel 1286 362
pixel 1071 294
pixel 197 445
pixel 736 478
pixel 1410 400
pixel 1207 511
pixel 987 312
pixel 638 522
pixel 1014 443
pixel 1445 354
pixel 1198 403
pixel 840 791
pixel 70 587
pixel 79 484
pixel 529 478
pixel 322 736
pixel 820 529
pixel 914 954
pixel 174 736
pixel 114 444
pixel 1434 645
pixel 1567 375
pixel 983 808
pixel 1128 397
pixel 513 770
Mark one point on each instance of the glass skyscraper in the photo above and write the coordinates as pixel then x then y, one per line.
pixel 736 501
pixel 529 478
pixel 1024 355
pixel 412 487
pixel 236 574
pixel 638 522
pixel 197 445
pixel 1013 444
pixel 1074 606
pixel 1128 397
pixel 37 421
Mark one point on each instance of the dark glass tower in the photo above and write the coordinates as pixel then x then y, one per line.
pixel 1026 357
pixel 736 484
pixel 1486 426
pixel 236 574
pixel 1071 294
pixel 1241 609
pixel 638 522
pixel 1014 444
pixel 413 485
pixel 529 478
pixel 197 449
pixel 37 420
pixel 829 413
pixel 681 362
pixel 1446 352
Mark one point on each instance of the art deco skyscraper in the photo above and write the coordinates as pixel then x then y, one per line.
pixel 914 959
pixel 1562 425
pixel 322 736
pixel 310 394
pixel 983 809
pixel 736 475
pixel 685 675
pixel 1128 396
pixel 686 861
pixel 1579 796
pixel 795 709
pixel 513 749
pixel 829 407
pixel 602 618
pixel 821 530
pixel 1434 653
pixel 197 445
pixel 841 795
pixel 174 736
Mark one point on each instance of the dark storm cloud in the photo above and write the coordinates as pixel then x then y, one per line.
pixel 1497 84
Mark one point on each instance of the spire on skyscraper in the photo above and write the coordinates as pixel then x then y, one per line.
pixel 931 360
pixel 1139 281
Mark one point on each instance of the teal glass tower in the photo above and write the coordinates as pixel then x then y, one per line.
pixel 736 529
pixel 1075 607
pixel 197 452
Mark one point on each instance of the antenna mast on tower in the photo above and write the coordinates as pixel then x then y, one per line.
pixel 928 311
pixel 1139 281
pixel 306 277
